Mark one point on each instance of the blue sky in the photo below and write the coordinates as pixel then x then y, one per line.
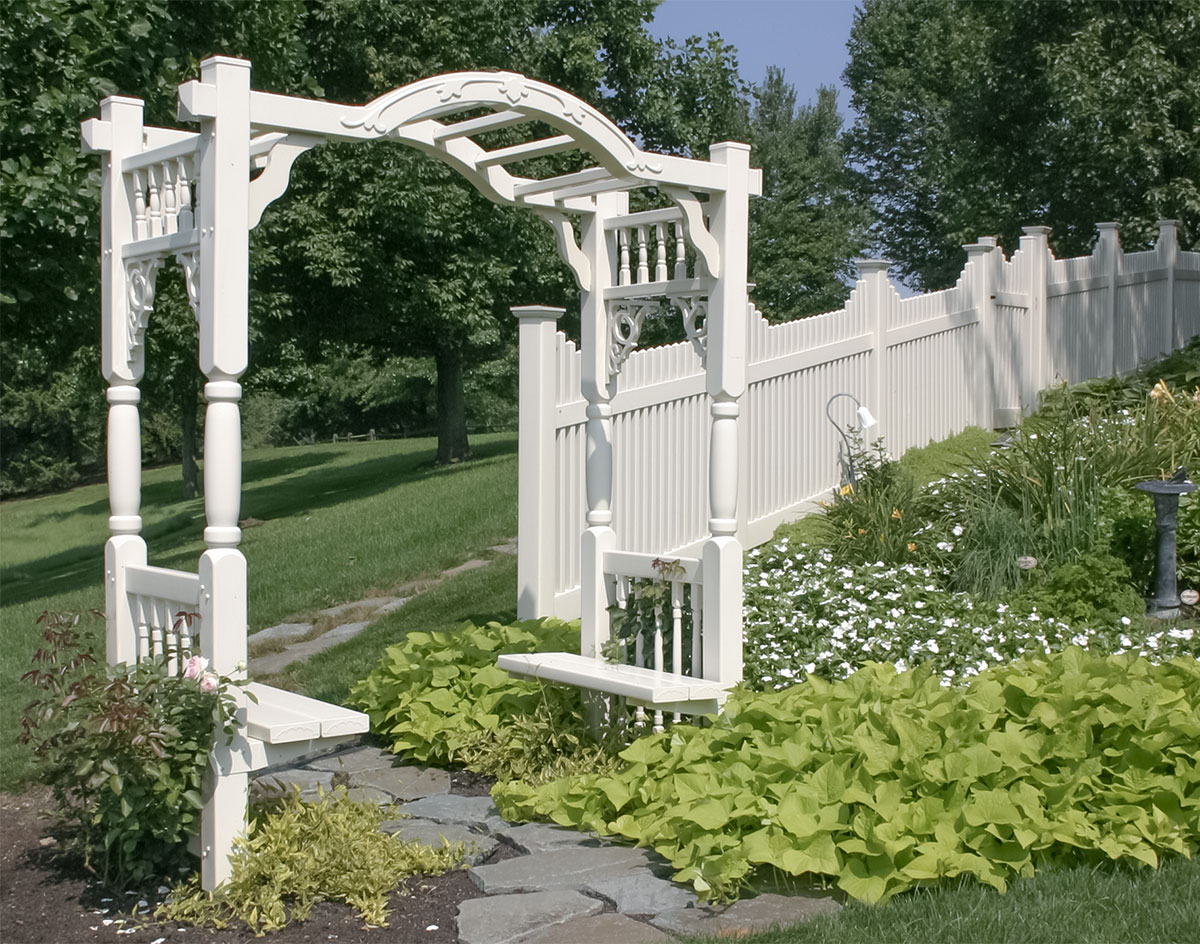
pixel 806 38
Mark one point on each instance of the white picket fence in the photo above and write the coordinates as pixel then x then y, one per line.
pixel 927 366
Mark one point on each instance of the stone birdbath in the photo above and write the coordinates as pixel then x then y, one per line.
pixel 1165 602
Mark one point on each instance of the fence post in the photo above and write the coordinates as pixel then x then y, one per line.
pixel 872 276
pixel 1108 252
pixel 537 551
pixel 979 262
pixel 1035 247
pixel 1167 248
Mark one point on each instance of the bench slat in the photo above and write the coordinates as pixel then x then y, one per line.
pixel 642 685
pixel 281 717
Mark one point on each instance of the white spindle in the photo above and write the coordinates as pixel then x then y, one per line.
pixel 139 207
pixel 143 627
pixel 677 630
pixel 680 252
pixel 623 273
pixel 155 204
pixel 643 268
pixel 170 201
pixel 658 658
pixel 660 249
pixel 697 607
pixel 186 188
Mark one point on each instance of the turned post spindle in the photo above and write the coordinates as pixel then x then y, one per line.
pixel 680 253
pixel 184 176
pixel 170 202
pixel 623 240
pixel 154 204
pixel 643 267
pixel 660 253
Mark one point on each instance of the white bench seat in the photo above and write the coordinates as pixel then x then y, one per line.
pixel 664 690
pixel 282 717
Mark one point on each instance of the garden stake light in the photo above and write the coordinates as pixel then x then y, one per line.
pixel 865 421
pixel 1165 602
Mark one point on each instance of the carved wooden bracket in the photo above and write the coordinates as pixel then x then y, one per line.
pixel 277 162
pixel 140 275
pixel 568 248
pixel 693 226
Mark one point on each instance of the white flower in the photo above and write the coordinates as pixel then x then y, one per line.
pixel 1125 621
pixel 958 530
pixel 208 682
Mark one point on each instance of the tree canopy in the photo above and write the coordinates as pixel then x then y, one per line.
pixel 977 118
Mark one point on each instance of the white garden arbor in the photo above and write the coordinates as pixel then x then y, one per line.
pixel 195 196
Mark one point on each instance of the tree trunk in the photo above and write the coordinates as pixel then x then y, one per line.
pixel 189 393
pixel 451 406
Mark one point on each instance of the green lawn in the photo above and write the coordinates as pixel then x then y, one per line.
pixel 339 522
pixel 1101 904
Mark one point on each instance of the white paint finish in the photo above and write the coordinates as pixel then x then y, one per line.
pixel 643 685
pixel 282 717
pixel 535 456
pixel 121 552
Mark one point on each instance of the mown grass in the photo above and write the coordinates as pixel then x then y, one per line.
pixel 339 522
pixel 1084 904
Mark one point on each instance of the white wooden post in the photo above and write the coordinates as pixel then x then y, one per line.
pixel 599 536
pixel 1038 371
pixel 119 135
pixel 537 552
pixel 873 283
pixel 726 382
pixel 1167 248
pixel 979 267
pixel 1108 252
pixel 224 282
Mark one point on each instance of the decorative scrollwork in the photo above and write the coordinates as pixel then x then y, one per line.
pixel 624 328
pixel 190 261
pixel 695 321
pixel 139 278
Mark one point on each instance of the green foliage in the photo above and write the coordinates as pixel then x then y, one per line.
pixel 440 698
pixel 1095 589
pixel 986 555
pixel 888 781
pixel 980 118
pixel 125 750
pixel 882 515
pixel 299 853
pixel 805 228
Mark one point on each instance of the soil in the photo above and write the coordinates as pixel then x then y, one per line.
pixel 48 898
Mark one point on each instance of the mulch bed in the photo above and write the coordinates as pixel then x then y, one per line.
pixel 47 898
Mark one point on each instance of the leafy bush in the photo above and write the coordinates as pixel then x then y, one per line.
pixel 441 698
pixel 886 780
pixel 1095 589
pixel 125 750
pixel 882 516
pixel 299 853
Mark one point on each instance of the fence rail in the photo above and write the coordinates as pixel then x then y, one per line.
pixel 928 366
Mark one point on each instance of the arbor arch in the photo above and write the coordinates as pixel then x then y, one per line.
pixel 196 196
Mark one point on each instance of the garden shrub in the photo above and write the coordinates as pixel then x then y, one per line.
pixel 882 516
pixel 125 750
pixel 300 852
pixel 1094 590
pixel 440 698
pixel 886 781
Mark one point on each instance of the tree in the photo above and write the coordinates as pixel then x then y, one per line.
pixel 807 227
pixel 58 58
pixel 982 117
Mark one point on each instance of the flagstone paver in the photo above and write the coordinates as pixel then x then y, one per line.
pixel 405 783
pixel 598 929
pixel 540 837
pixel 641 892
pixel 561 868
pixel 465 811
pixel 507 919
pixel 284 632
pixel 432 834
pixel 357 760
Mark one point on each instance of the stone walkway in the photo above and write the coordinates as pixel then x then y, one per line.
pixel 540 884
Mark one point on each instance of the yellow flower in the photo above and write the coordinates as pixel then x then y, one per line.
pixel 847 489
pixel 911 547
pixel 862 530
pixel 896 513
pixel 1162 393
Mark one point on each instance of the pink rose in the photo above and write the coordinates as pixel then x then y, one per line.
pixel 195 667
pixel 208 682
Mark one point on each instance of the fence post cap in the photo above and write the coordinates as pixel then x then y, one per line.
pixel 538 312
pixel 870 266
pixel 1036 230
pixel 981 247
